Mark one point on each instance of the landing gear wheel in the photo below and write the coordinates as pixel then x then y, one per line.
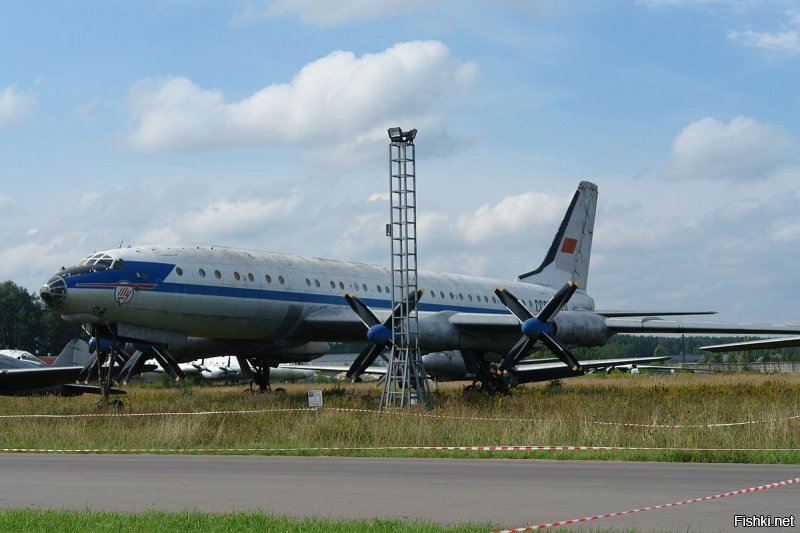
pixel 119 405
pixel 260 377
pixel 471 389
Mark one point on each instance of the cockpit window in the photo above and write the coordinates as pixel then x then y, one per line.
pixel 97 260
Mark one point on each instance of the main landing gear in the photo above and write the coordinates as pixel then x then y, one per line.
pixel 488 378
pixel 259 375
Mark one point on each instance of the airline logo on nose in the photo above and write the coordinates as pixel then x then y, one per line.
pixel 568 246
pixel 123 293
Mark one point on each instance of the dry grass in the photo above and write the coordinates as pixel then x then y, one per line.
pixel 583 411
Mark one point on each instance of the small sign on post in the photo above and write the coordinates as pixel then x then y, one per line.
pixel 315 400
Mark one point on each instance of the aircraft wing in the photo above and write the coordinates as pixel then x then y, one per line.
pixel 20 380
pixel 658 325
pixel 611 314
pixel 784 342
pixel 533 372
pixel 486 324
pixel 506 326
pixel 338 369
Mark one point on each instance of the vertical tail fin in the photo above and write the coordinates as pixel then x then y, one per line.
pixel 75 353
pixel 568 256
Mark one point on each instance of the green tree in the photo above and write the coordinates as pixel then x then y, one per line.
pixel 19 317
pixel 27 324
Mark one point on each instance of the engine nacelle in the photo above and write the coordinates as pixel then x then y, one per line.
pixel 436 333
pixel 581 328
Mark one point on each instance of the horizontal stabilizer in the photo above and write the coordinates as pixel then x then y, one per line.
pixel 657 325
pixel 784 342
pixel 620 314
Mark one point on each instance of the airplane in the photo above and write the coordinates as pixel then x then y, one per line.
pixel 229 368
pixel 186 301
pixel 23 374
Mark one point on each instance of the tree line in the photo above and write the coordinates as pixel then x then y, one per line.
pixel 26 323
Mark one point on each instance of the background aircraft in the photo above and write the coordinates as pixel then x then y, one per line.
pixel 452 366
pixel 26 375
pixel 190 301
pixel 228 368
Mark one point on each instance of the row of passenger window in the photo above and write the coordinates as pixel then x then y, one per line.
pixel 236 275
pixel 381 289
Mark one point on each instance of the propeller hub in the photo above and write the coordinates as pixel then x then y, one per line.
pixel 379 334
pixel 533 327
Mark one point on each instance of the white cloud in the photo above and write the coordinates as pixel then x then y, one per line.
pixel 786 230
pixel 733 259
pixel 508 237
pixel 355 97
pixel 363 238
pixel 15 107
pixel 688 3
pixel 786 40
pixel 225 218
pixel 323 13
pixel 512 214
pixel 741 150
pixel 89 200
pixel 38 257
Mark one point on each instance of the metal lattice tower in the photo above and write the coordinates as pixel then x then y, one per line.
pixel 406 381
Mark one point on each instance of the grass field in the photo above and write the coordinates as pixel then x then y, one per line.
pixel 591 411
pixel 189 521
pixel 61 521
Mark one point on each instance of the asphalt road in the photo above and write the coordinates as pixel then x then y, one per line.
pixel 506 493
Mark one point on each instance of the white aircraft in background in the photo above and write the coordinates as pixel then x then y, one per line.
pixel 451 366
pixel 228 368
pixel 190 301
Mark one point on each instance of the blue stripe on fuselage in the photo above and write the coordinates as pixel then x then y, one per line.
pixel 140 271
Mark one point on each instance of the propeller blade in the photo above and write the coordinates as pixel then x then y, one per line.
pixel 514 305
pixel 561 352
pixel 244 367
pixel 364 313
pixel 132 367
pixel 364 359
pixel 85 374
pixel 168 364
pixel 516 353
pixel 406 306
pixel 558 301
pixel 379 334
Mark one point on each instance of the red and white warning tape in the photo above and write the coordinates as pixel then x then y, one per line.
pixel 166 413
pixel 492 448
pixel 394 412
pixel 652 507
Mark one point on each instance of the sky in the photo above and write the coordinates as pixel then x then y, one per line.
pixel 261 124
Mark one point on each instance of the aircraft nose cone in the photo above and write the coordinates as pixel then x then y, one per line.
pixel 54 292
